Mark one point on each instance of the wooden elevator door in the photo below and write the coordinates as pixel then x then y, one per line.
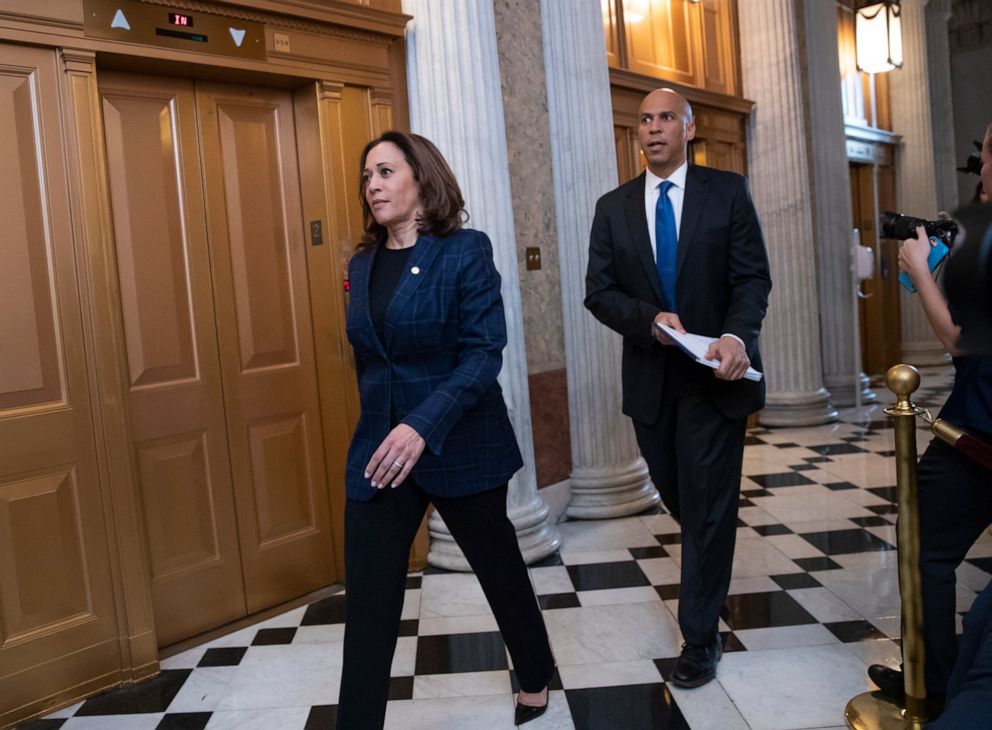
pixel 215 307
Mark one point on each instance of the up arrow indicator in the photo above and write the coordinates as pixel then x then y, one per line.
pixel 120 21
pixel 238 34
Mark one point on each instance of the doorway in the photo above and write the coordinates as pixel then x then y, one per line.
pixel 873 191
pixel 215 311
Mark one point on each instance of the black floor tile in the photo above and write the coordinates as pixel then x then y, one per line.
pixel 786 479
pixel 873 521
pixel 602 576
pixel 752 441
pixel 271 637
pixel 787 445
pixel 792 581
pixel 666 666
pixel 836 486
pixel 848 631
pixel 223 656
pixel 731 642
pixel 46 724
pixel 802 467
pixel 414 581
pixel 745 502
pixel 886 453
pixel 630 707
pixel 640 553
pixel 766 530
pixel 328 610
pixel 981 563
pixel 667 593
pixel 889 493
pixel 884 509
pixel 816 459
pixel 401 688
pixel 752 493
pixel 184 721
pixel 670 538
pixel 813 564
pixel 841 542
pixel 409 627
pixel 834 449
pixel 153 695
pixel 559 600
pixel 322 717
pixel 764 610
pixel 449 653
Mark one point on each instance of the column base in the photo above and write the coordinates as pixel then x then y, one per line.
pixel 924 353
pixel 536 536
pixel 798 409
pixel 611 492
pixel 843 390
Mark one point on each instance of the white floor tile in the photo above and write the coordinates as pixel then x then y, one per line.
pixel 284 718
pixel 708 707
pixel 612 633
pixel 608 674
pixel 462 684
pixel 783 637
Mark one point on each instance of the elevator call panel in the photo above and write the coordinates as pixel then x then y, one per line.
pixel 159 25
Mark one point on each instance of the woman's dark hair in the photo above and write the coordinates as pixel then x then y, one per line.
pixel 442 205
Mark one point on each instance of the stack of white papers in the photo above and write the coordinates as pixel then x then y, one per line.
pixel 695 346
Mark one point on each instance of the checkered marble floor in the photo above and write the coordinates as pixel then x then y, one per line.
pixel 814 600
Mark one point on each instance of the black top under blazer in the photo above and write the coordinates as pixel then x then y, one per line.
pixel 436 371
pixel 722 286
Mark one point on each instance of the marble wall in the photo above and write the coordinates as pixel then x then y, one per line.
pixel 528 141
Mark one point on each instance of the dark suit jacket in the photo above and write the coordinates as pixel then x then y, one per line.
pixel 722 287
pixel 436 371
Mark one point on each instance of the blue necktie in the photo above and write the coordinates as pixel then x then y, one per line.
pixel 667 242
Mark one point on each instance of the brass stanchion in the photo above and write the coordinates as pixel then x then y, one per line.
pixel 872 710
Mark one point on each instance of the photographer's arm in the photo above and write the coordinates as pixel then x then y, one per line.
pixel 913 256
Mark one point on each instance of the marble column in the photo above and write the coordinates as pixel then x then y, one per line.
pixel 779 171
pixel 916 183
pixel 936 18
pixel 833 219
pixel 455 101
pixel 608 477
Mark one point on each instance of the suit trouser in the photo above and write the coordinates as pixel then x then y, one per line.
pixel 969 691
pixel 955 497
pixel 378 535
pixel 694 455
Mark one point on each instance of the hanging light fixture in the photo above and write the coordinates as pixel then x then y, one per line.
pixel 878 33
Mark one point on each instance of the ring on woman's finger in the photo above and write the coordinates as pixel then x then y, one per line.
pixel 398 464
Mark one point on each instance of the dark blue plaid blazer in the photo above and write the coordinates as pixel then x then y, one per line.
pixel 444 337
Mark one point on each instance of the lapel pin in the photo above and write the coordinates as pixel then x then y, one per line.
pixel 415 270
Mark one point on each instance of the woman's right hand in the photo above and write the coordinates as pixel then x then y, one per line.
pixel 914 253
pixel 395 458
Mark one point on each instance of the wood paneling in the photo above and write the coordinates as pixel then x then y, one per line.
pixel 57 617
pixel 175 399
pixel 679 41
pixel 265 337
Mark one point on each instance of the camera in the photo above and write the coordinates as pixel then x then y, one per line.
pixel 901 227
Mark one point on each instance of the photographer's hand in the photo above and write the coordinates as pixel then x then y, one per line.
pixel 913 255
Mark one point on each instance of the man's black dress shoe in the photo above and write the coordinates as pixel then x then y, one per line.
pixel 889 681
pixel 697 664
pixel 890 684
pixel 526 713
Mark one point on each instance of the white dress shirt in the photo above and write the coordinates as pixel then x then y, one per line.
pixel 676 195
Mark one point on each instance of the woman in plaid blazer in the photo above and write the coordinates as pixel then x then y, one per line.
pixel 427 327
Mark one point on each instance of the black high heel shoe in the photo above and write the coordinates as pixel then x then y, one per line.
pixel 526 713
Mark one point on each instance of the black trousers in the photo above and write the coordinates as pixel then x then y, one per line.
pixel 955 496
pixel 694 455
pixel 378 535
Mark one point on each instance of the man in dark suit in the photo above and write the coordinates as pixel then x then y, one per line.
pixel 681 245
